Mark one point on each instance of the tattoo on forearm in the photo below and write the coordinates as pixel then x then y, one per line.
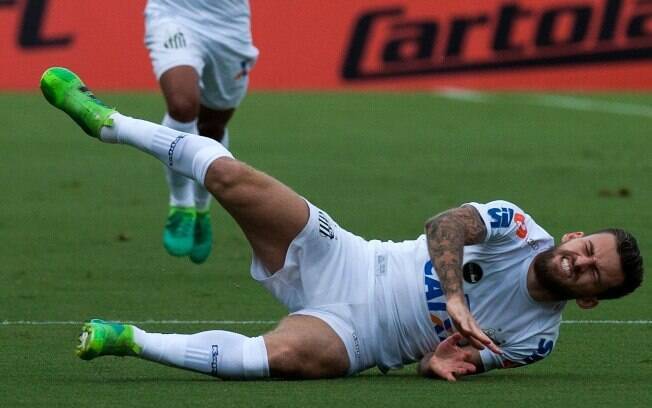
pixel 447 233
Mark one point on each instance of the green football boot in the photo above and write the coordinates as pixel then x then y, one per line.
pixel 203 238
pixel 66 91
pixel 100 338
pixel 178 235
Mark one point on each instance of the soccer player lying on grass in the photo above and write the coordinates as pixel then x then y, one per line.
pixel 484 288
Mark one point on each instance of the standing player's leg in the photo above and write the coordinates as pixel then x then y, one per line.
pixel 210 123
pixel 180 87
pixel 176 56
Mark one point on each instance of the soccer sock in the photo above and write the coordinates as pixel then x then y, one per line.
pixel 202 196
pixel 181 187
pixel 219 353
pixel 185 153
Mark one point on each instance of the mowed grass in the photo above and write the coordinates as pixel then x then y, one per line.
pixel 81 238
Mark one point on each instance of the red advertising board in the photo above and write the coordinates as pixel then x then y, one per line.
pixel 361 44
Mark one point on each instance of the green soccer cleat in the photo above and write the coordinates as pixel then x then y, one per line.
pixel 203 238
pixel 66 91
pixel 100 338
pixel 178 235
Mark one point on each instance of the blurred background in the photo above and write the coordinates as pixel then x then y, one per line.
pixel 340 44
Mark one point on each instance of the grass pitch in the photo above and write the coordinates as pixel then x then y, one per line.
pixel 81 238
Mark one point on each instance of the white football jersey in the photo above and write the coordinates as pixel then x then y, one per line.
pixel 224 19
pixel 495 286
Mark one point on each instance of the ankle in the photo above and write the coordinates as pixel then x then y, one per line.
pixel 109 133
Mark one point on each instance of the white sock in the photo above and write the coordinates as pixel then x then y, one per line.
pixel 202 197
pixel 180 186
pixel 219 353
pixel 185 153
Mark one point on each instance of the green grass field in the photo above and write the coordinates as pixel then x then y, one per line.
pixel 81 238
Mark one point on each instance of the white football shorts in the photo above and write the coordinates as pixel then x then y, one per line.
pixel 328 273
pixel 223 64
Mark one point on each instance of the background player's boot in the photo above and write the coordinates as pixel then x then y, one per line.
pixel 66 91
pixel 203 238
pixel 179 231
pixel 100 338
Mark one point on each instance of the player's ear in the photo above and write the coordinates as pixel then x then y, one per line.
pixel 571 235
pixel 587 303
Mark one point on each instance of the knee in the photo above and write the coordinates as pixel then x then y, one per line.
pixel 211 128
pixel 184 108
pixel 289 361
pixel 296 359
pixel 225 175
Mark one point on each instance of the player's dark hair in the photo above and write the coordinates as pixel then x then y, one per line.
pixel 631 263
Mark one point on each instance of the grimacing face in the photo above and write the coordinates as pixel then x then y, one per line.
pixel 582 267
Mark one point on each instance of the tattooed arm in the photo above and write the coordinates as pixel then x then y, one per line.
pixel 447 233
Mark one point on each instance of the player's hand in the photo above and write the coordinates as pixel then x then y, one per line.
pixel 449 361
pixel 467 326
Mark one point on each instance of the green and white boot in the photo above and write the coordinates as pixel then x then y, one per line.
pixel 178 234
pixel 66 91
pixel 203 238
pixel 100 338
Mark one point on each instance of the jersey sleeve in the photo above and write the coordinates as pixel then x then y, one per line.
pixel 503 220
pixel 529 351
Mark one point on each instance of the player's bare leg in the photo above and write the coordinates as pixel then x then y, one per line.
pixel 212 123
pixel 305 347
pixel 180 87
pixel 269 213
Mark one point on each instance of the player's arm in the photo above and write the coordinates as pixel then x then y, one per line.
pixel 450 361
pixel 447 234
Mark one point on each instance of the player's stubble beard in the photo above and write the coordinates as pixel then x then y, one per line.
pixel 544 273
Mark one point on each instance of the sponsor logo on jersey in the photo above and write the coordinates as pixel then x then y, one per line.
pixel 543 350
pixel 472 272
pixel 325 228
pixel 436 302
pixel 503 217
